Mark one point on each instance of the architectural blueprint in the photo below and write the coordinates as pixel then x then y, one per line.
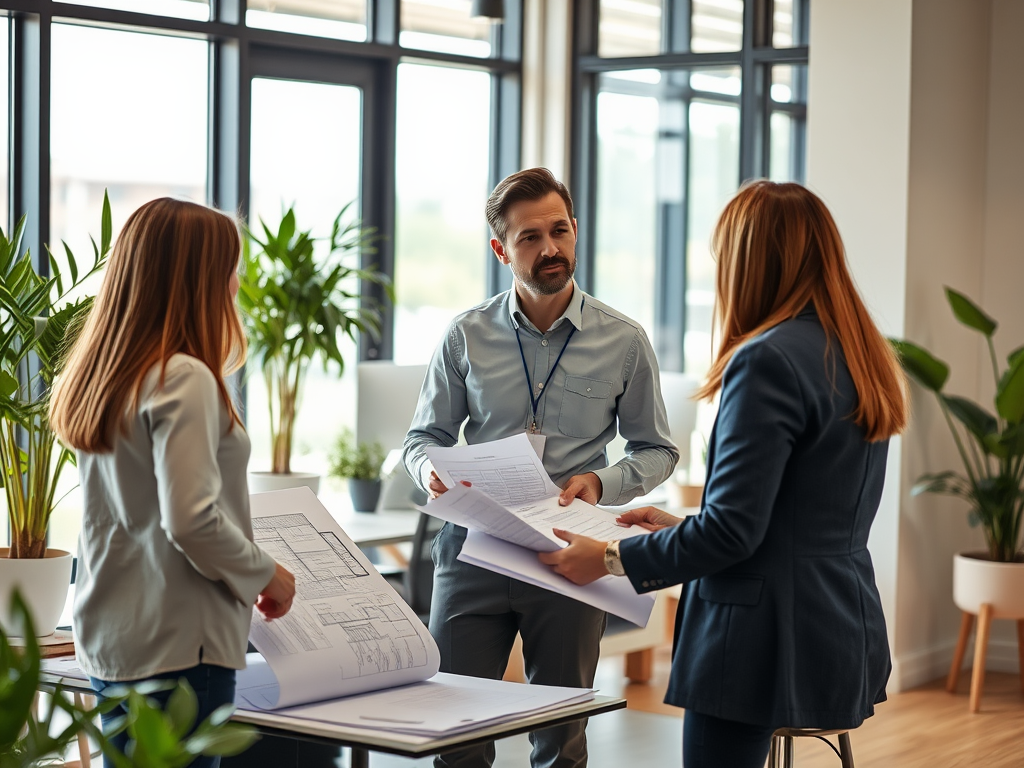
pixel 348 631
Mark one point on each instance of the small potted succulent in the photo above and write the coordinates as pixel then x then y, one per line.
pixel 360 464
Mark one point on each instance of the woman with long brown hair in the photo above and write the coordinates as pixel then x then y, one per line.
pixel 780 622
pixel 168 572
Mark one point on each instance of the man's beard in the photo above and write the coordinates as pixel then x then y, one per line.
pixel 548 284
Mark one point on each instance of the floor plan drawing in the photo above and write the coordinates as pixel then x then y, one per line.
pixel 339 605
pixel 348 630
pixel 381 636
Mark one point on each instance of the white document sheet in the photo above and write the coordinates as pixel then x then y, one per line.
pixel 444 704
pixel 348 631
pixel 612 593
pixel 507 470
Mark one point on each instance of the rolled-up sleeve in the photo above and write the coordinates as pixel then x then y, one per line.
pixel 651 455
pixel 440 411
pixel 185 424
pixel 760 417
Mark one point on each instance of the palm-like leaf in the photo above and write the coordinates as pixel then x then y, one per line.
pixel 38 321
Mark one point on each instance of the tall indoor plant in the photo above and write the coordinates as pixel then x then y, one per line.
pixel 296 304
pixel 991 445
pixel 41 310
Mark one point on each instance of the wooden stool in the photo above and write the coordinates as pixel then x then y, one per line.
pixel 980 650
pixel 781 753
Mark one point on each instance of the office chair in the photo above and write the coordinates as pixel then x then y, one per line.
pixel 781 753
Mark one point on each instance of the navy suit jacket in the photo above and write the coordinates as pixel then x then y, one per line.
pixel 780 620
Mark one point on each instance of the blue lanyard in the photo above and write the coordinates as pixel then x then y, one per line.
pixel 535 401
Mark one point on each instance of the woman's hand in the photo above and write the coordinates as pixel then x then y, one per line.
pixel 651 518
pixel 276 598
pixel 436 487
pixel 581 562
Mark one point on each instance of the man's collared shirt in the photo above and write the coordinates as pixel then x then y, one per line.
pixel 608 374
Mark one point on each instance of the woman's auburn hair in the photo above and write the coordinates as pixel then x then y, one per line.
pixel 166 291
pixel 778 250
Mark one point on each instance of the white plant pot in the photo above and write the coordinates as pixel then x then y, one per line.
pixel 260 482
pixel 977 581
pixel 43 583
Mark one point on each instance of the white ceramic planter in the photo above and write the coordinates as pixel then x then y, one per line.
pixel 977 581
pixel 272 481
pixel 43 583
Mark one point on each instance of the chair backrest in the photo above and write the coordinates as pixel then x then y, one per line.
pixel 419 577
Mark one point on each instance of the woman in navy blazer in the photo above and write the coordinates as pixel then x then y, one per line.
pixel 780 623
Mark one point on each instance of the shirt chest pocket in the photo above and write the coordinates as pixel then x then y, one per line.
pixel 586 407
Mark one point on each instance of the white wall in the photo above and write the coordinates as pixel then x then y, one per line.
pixel 916 113
pixel 858 139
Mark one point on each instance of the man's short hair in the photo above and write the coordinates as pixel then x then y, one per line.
pixel 531 184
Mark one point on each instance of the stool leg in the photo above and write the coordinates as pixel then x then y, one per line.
pixel 980 649
pixel 84 750
pixel 773 753
pixel 966 623
pixel 845 750
pixel 788 748
pixel 1020 651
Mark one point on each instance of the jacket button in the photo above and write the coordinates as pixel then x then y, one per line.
pixel 645 584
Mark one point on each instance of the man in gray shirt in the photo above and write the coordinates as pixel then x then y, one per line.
pixel 546 359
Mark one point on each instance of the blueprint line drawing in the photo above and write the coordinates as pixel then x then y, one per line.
pixel 338 605
pixel 378 632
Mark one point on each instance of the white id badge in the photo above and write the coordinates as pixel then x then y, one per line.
pixel 537 440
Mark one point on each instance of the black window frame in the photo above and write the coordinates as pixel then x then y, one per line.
pixel 237 54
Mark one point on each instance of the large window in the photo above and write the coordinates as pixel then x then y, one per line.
pixel 318 175
pixel 137 132
pixel 679 102
pixel 254 106
pixel 441 235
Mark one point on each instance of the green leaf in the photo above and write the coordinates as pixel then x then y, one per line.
pixel 930 372
pixel 72 264
pixel 227 740
pixel 8 384
pixel 1013 356
pixel 942 482
pixel 106 225
pixel 182 708
pixel 969 313
pixel 1010 392
pixel 977 420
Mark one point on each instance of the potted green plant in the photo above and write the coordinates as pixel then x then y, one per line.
pixel 39 317
pixel 991 448
pixel 360 464
pixel 295 306
pixel 158 736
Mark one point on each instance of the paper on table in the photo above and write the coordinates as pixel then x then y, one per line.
pixel 347 632
pixel 444 704
pixel 507 470
pixel 613 594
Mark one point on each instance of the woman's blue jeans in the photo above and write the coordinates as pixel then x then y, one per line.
pixel 213 685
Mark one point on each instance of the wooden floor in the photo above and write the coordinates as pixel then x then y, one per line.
pixel 920 728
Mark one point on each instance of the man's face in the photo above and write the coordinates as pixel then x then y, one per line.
pixel 540 245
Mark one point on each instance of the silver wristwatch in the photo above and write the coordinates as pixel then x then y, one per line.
pixel 612 561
